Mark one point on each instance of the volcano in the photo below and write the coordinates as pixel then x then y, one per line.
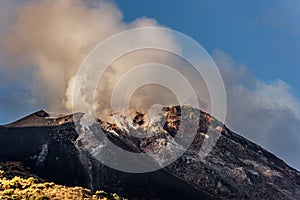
pixel 49 146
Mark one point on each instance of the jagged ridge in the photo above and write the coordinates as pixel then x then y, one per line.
pixel 235 168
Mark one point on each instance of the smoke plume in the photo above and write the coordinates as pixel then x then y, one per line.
pixel 51 38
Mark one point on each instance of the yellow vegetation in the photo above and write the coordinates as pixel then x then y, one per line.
pixel 18 189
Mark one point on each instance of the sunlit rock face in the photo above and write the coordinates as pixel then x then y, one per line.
pixel 235 168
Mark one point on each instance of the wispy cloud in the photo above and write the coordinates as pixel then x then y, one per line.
pixel 266 113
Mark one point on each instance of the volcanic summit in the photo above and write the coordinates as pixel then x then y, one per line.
pixel 49 146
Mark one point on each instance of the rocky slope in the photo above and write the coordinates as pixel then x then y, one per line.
pixel 234 169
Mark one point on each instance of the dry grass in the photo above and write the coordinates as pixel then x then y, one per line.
pixel 32 189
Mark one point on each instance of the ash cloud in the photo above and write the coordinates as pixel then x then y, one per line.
pixel 53 38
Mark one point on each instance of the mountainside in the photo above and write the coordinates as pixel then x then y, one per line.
pixel 235 168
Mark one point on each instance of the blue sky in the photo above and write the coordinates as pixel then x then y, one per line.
pixel 263 35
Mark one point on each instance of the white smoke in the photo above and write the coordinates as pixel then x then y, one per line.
pixel 52 38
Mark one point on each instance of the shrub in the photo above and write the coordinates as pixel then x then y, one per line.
pixel 15 182
pixel 101 193
pixel 43 197
pixel 31 181
pixel 8 192
pixel 115 196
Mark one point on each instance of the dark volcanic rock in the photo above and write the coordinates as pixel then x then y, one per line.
pixel 235 168
pixel 49 150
